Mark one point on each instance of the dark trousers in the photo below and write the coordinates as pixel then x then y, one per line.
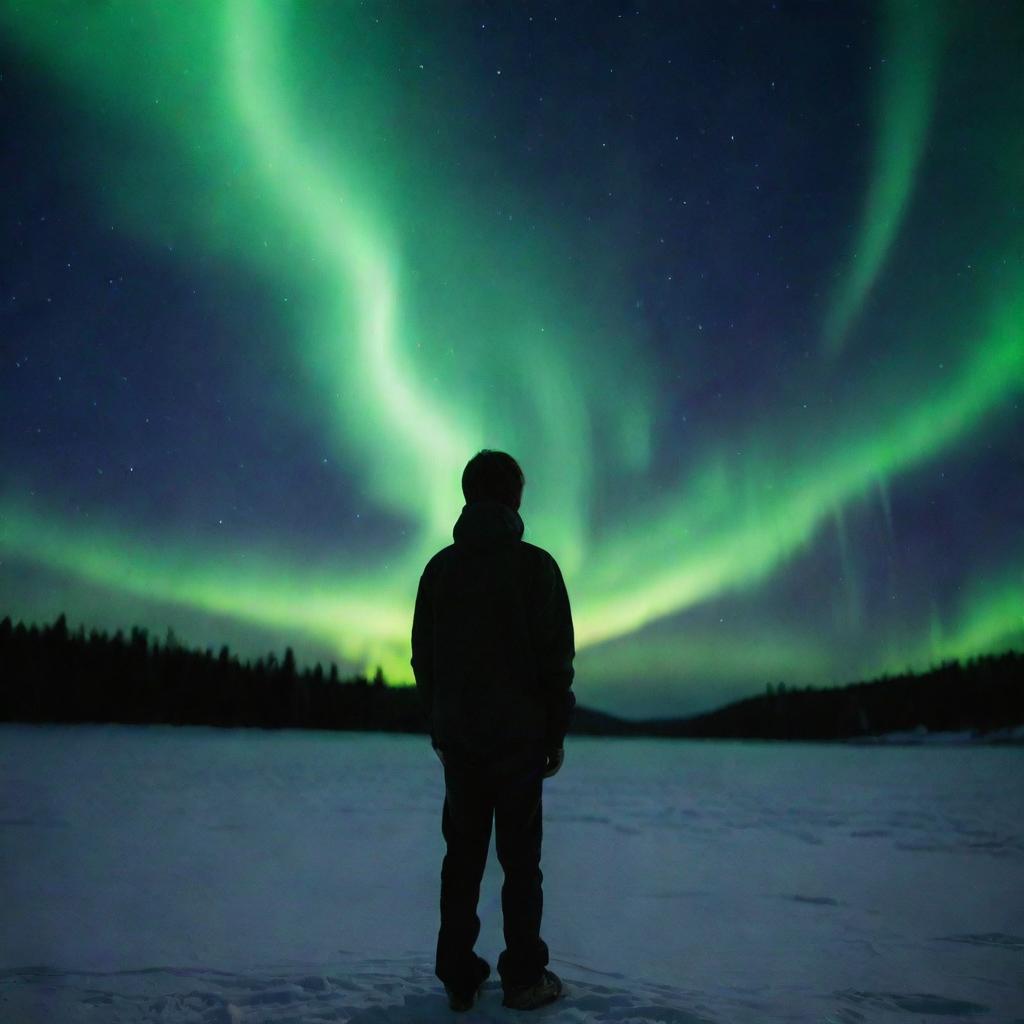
pixel 507 789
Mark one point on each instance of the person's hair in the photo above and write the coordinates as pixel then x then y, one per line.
pixel 493 475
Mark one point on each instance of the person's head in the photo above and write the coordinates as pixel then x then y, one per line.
pixel 495 476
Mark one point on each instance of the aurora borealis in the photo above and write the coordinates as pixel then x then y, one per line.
pixel 741 286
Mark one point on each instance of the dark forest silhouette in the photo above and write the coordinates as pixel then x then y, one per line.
pixel 51 674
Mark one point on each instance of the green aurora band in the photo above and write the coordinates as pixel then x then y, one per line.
pixel 913 37
pixel 335 218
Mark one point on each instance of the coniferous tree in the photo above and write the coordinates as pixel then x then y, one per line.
pixel 51 674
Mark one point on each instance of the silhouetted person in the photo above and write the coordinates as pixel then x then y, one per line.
pixel 492 653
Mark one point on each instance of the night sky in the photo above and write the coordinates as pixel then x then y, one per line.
pixel 740 285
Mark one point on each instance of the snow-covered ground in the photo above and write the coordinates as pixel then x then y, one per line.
pixel 1009 734
pixel 244 876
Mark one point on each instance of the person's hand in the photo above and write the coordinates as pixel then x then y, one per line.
pixel 440 754
pixel 555 759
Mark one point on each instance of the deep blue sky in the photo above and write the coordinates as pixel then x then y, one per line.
pixel 739 284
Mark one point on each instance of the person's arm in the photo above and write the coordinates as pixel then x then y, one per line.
pixel 423 647
pixel 556 651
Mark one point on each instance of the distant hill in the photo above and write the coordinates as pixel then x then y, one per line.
pixel 588 722
pixel 983 695
pixel 51 674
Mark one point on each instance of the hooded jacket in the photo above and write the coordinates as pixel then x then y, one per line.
pixel 492 638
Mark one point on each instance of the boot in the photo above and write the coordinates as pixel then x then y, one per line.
pixel 464 1000
pixel 546 989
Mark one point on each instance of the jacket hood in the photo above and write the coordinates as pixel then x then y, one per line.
pixel 487 522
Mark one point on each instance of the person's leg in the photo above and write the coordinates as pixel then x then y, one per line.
pixel 518 816
pixel 466 826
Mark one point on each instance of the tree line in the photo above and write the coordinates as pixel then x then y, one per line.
pixel 53 674
pixel 983 694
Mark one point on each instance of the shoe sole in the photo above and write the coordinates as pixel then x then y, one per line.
pixel 459 1005
pixel 534 1006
